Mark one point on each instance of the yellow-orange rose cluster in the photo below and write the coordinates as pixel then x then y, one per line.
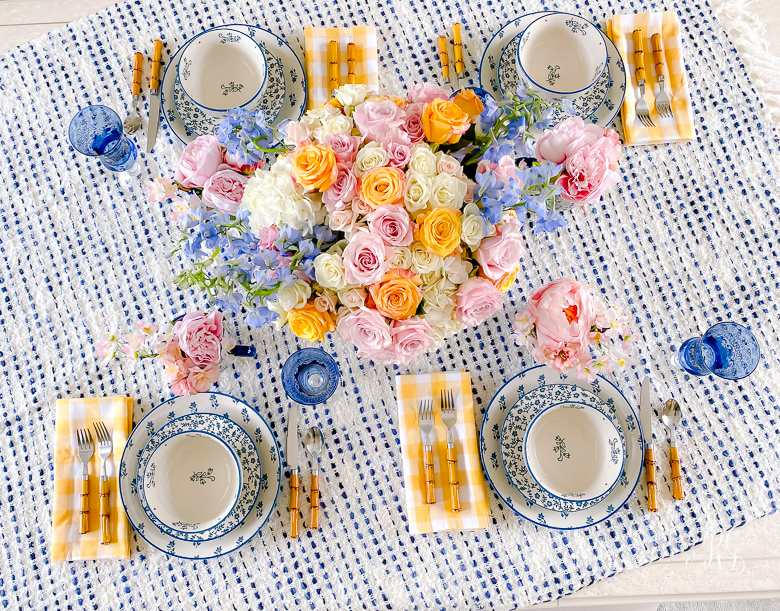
pixel 439 231
pixel 398 294
pixel 383 187
pixel 309 323
pixel 444 122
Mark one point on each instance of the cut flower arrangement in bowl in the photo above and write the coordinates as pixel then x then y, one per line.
pixel 394 221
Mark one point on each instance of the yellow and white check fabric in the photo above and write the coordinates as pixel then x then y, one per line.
pixel 679 127
pixel 366 59
pixel 475 509
pixel 73 414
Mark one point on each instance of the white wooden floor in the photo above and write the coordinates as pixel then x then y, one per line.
pixel 742 564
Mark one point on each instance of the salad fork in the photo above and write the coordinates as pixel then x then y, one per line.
pixel 642 107
pixel 663 105
pixel 425 418
pixel 105 447
pixel 86 450
pixel 449 417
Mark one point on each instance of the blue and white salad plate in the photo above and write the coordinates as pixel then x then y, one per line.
pixel 241 445
pixel 490 449
pixel 204 403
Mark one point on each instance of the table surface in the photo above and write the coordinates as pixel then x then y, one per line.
pixel 741 563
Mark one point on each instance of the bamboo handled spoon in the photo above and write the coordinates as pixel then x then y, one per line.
pixel 313 443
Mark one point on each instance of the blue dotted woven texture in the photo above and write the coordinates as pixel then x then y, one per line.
pixel 689 237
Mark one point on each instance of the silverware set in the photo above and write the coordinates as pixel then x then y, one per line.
pixel 425 418
pixel 313 443
pixel 86 450
pixel 132 122
pixel 663 106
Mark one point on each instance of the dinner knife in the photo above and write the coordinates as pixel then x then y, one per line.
pixel 154 96
pixel 646 416
pixel 292 465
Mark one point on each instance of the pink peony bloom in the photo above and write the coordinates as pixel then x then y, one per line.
pixel 423 93
pixel 201 378
pixel 562 356
pixel 368 330
pixel 267 236
pixel 411 337
pixel 503 170
pixel 392 224
pixel 341 193
pixel 500 254
pixel 224 189
pixel 413 125
pixel 398 152
pixel 344 147
pixel 477 300
pixel 365 258
pixel 376 118
pixel 590 171
pixel 563 313
pixel 235 161
pixel 160 189
pixel 181 387
pixel 198 162
pixel 201 337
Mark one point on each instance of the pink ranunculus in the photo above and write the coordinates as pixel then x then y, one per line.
pixel 295 133
pixel 201 378
pixel 411 337
pixel 341 193
pixel 365 258
pixel 340 220
pixel 563 140
pixel 267 236
pixel 413 125
pixel 368 330
pixel 503 170
pixel 423 93
pixel 392 224
pixel 181 387
pixel 563 312
pixel 201 337
pixel 398 152
pixel 561 356
pixel 589 172
pixel 224 189
pixel 344 147
pixel 477 300
pixel 198 162
pixel 376 118
pixel 236 161
pixel 501 253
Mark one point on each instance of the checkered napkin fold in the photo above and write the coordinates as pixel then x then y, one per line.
pixel 475 510
pixel 73 414
pixel 679 127
pixel 366 59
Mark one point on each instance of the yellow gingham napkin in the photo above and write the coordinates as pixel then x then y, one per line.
pixel 72 414
pixel 679 127
pixel 366 59
pixel 475 509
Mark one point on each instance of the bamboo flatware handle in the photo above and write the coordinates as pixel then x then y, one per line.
pixel 314 501
pixel 452 463
pixel 430 487
pixel 105 514
pixel 295 486
pixel 457 45
pixel 677 487
pixel 652 499
pixel 84 514
pixel 639 54
pixel 333 66
pixel 658 55
pixel 351 63
pixel 156 63
pixel 444 59
pixel 138 68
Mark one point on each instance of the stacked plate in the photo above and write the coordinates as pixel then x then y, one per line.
pixel 226 67
pixel 561 452
pixel 562 56
pixel 200 475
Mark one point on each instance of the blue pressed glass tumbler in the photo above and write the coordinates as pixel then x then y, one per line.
pixel 96 131
pixel 310 376
pixel 727 350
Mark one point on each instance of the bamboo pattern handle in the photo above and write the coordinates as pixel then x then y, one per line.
pixel 677 487
pixel 138 68
pixel 84 526
pixel 639 54
pixel 333 66
pixel 156 62
pixel 444 59
pixel 314 501
pixel 351 61
pixel 105 514
pixel 430 489
pixel 452 463
pixel 295 485
pixel 457 45
pixel 652 499
pixel 658 55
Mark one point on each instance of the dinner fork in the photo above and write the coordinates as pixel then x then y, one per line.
pixel 449 417
pixel 104 451
pixel 642 107
pixel 425 418
pixel 86 450
pixel 663 105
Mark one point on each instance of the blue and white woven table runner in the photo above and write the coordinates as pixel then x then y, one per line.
pixel 689 237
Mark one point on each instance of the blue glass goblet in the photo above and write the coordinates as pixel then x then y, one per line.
pixel 96 131
pixel 310 376
pixel 726 350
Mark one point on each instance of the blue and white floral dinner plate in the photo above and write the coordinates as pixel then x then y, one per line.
pixel 205 403
pixel 284 97
pixel 490 449
pixel 240 444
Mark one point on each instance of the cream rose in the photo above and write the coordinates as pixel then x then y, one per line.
pixel 418 192
pixel 338 124
pixel 423 260
pixel 353 298
pixel 402 257
pixel 422 160
pixel 447 192
pixel 447 164
pixel 372 155
pixel 293 296
pixel 351 95
pixel 329 271
pixel 472 230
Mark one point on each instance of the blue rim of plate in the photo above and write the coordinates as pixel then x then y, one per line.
pixel 526 515
pixel 277 459
pixel 550 492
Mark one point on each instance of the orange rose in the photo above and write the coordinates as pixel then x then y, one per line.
pixel 507 280
pixel 439 231
pixel 383 187
pixel 398 294
pixel 443 122
pixel 469 102
pixel 309 323
pixel 314 167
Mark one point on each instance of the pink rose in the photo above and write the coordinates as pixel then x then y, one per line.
pixel 267 236
pixel 590 171
pixel 198 162
pixel 500 254
pixel 343 191
pixel 398 152
pixel 235 161
pixel 477 300
pixel 344 147
pixel 447 164
pixel 340 220
pixel 201 337
pixel 368 330
pixel 224 189
pixel 413 125
pixel 376 118
pixel 564 312
pixel 503 170
pixel 423 93
pixel 365 258
pixel 392 224
pixel 201 378
pixel 411 337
